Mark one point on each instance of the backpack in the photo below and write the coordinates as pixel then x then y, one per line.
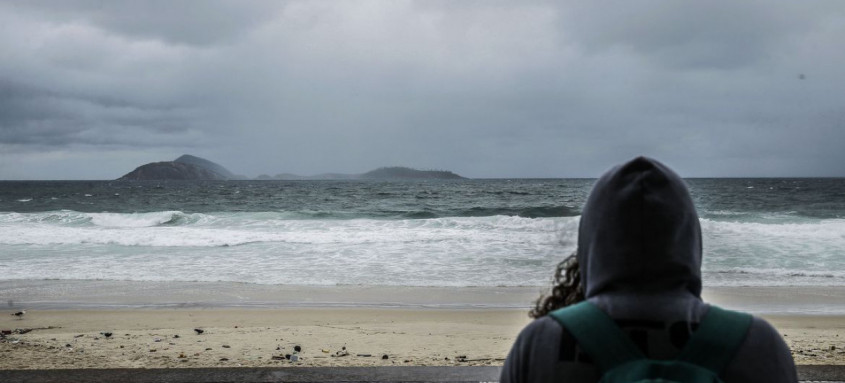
pixel 706 354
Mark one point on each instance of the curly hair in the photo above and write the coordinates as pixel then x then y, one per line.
pixel 566 289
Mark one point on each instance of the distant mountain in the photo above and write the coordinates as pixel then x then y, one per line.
pixel 385 173
pixel 206 164
pixel 186 167
pixel 397 172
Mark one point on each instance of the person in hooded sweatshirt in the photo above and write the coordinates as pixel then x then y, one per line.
pixel 639 261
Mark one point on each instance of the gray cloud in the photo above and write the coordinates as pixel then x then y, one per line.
pixel 203 22
pixel 487 89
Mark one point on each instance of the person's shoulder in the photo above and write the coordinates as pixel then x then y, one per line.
pixel 533 343
pixel 540 330
pixel 763 356
pixel 761 332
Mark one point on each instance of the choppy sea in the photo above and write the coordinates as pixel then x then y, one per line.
pixel 757 232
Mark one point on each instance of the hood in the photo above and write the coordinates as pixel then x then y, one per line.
pixel 639 233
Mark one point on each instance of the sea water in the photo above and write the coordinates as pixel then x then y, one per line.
pixel 503 233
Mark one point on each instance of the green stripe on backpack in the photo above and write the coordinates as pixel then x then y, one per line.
pixel 702 360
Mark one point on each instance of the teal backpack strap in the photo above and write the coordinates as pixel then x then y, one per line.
pixel 717 339
pixel 598 335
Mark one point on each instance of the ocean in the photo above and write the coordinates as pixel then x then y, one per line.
pixel 435 233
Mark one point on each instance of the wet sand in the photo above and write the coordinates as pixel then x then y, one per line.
pixel 152 325
pixel 144 338
pixel 257 337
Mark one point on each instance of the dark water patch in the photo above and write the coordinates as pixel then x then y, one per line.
pixel 420 215
pixel 726 198
pixel 525 212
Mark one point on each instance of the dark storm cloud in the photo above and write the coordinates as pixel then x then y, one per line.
pixel 713 34
pixel 484 88
pixel 45 117
pixel 205 22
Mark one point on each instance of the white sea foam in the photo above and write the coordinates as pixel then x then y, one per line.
pixel 261 248
pixel 134 219
pixel 275 248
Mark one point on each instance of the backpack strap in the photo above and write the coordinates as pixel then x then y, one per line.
pixel 712 346
pixel 717 339
pixel 598 335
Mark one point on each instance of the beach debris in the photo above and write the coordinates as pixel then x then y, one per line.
pixel 176 336
pixel 294 358
pixel 224 359
pixel 19 314
pixel 297 348
pixel 68 345
pixel 287 356
pixel 79 336
pixel 226 346
pixel 832 348
pixel 157 340
pixel 384 357
pixel 340 353
pixel 199 331
pixel 461 358
pixel 208 349
pixel 277 357
pixel 364 355
pixel 22 330
pixel 153 350
pixel 325 351
pixel 106 334
pixel 5 332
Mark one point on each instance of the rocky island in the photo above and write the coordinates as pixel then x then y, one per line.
pixel 188 167
pixel 385 173
pixel 398 172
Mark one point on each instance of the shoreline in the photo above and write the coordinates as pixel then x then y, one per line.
pixel 260 337
pixel 250 325
pixel 232 337
pixel 116 295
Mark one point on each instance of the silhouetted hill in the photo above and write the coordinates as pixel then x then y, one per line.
pixel 204 163
pixel 385 173
pixel 186 167
pixel 398 172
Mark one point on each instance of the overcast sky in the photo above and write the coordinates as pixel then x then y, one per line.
pixel 93 89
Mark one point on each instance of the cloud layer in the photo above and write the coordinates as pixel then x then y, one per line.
pixel 91 89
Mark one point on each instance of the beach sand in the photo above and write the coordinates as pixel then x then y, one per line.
pixel 144 338
pixel 154 327
pixel 253 337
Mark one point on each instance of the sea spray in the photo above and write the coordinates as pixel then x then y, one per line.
pixel 781 232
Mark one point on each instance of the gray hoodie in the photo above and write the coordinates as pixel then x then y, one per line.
pixel 639 250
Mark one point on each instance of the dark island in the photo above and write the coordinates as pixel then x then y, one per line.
pixel 188 167
pixel 398 172
pixel 385 173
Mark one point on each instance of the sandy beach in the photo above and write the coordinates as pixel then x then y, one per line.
pixel 258 337
pixel 434 329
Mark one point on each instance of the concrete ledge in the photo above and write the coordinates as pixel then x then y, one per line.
pixel 311 374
